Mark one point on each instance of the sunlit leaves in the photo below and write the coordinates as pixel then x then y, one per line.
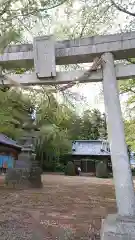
pixel 13 112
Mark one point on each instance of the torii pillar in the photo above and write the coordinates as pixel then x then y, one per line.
pixel 121 225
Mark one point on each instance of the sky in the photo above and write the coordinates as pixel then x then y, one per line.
pixel 92 92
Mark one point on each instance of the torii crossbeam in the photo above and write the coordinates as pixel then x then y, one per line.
pixel 44 55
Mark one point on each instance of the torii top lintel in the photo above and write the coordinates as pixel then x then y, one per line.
pixel 74 51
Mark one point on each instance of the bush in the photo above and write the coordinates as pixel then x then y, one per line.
pixel 101 170
pixel 70 169
pixel 59 168
pixel 133 172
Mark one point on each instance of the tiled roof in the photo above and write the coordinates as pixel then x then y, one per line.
pixel 8 141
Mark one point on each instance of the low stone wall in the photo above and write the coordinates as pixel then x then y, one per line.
pixel 23 178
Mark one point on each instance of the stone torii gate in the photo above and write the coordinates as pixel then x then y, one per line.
pixel 44 55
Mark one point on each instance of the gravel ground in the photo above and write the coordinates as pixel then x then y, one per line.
pixel 65 208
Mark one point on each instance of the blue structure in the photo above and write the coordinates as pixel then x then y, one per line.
pixel 9 160
pixel 9 150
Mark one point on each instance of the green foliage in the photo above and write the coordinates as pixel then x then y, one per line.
pixel 51 144
pixel 70 169
pixel 59 167
pixel 18 17
pixel 126 7
pixel 57 124
pixel 13 112
pixel 127 88
pixel 101 170
pixel 91 125
pixel 133 172
pixel 89 18
pixel 53 139
pixel 130 133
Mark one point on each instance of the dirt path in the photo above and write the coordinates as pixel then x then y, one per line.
pixel 65 207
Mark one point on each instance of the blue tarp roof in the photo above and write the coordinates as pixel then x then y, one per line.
pixel 9 142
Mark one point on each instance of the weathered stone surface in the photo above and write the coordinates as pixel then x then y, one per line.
pixel 35 178
pixel 115 227
pixel 24 177
pixel 23 161
pixel 35 174
pixel 101 170
pixel 17 177
pixel 27 172
pixel 124 188
pixel 122 72
pixel 74 51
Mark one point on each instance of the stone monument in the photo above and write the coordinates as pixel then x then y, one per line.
pixel 27 157
pixel 26 172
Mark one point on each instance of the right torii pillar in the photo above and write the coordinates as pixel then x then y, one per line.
pixel 122 224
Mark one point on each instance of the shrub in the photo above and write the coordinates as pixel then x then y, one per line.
pixel 101 170
pixel 59 168
pixel 133 172
pixel 70 169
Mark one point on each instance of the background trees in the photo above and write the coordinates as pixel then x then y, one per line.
pixel 14 110
pixel 57 124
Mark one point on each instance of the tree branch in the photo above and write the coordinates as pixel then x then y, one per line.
pixel 29 13
pixel 40 9
pixel 131 61
pixel 7 4
pixel 128 89
pixel 87 19
pixel 122 9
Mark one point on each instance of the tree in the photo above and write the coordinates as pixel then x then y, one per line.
pixel 130 133
pixel 58 124
pixel 89 18
pixel 124 6
pixel 19 16
pixel 70 169
pixel 14 110
pixel 53 139
pixel 93 125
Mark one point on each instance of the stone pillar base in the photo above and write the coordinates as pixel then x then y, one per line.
pixel 35 177
pixel 116 227
pixel 17 178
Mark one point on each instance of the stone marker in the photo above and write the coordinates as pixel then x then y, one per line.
pixel 35 174
pixel 26 172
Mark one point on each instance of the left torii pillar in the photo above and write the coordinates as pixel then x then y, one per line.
pixel 122 224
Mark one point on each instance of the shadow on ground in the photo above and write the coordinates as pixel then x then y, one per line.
pixel 65 208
